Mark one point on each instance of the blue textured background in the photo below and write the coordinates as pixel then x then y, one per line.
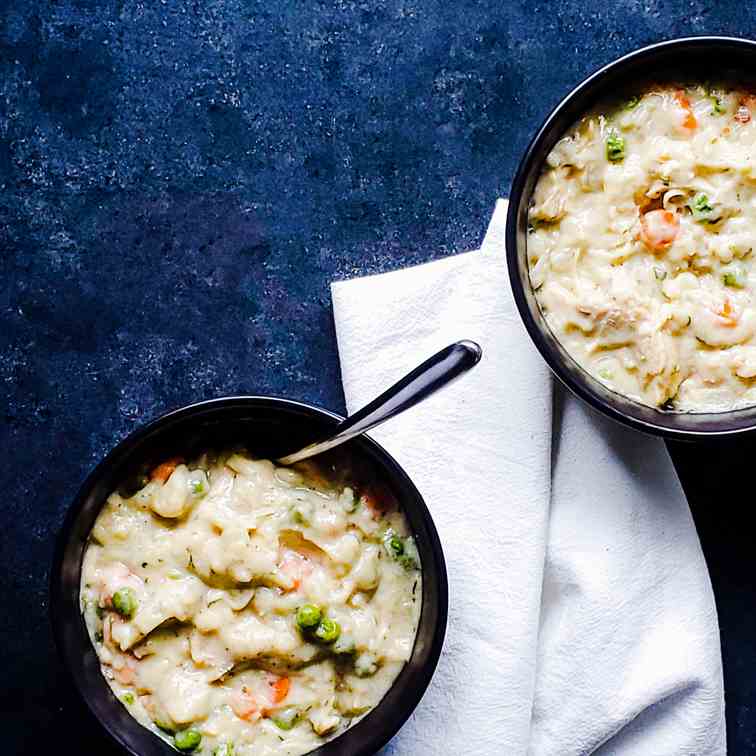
pixel 180 181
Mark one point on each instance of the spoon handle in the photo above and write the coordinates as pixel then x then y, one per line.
pixel 435 373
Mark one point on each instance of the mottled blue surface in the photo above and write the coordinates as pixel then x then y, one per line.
pixel 180 181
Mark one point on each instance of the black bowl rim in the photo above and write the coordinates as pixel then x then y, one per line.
pixel 269 401
pixel 528 164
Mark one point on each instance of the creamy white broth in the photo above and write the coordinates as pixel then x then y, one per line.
pixel 643 227
pixel 199 590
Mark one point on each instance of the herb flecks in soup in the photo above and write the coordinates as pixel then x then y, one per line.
pixel 640 247
pixel 241 608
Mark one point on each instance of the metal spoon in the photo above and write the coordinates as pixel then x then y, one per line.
pixel 435 373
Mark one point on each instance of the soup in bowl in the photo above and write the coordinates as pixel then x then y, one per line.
pixel 207 600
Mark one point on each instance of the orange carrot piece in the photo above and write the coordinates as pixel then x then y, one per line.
pixel 280 689
pixel 659 229
pixel 689 121
pixel 163 471
pixel 726 313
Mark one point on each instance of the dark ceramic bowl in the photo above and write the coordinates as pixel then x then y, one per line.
pixel 695 59
pixel 268 427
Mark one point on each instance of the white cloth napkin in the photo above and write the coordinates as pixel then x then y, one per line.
pixel 581 613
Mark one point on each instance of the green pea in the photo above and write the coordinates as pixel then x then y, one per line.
pixel 198 483
pixel 286 718
pixel 703 211
pixel 308 616
pixel 187 740
pixel 224 749
pixel 615 148
pixel 125 602
pixel 395 546
pixel 328 630
pixel 734 277
pixel 128 698
pixel 403 550
pixel 165 726
pixel 299 518
pixel 716 105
